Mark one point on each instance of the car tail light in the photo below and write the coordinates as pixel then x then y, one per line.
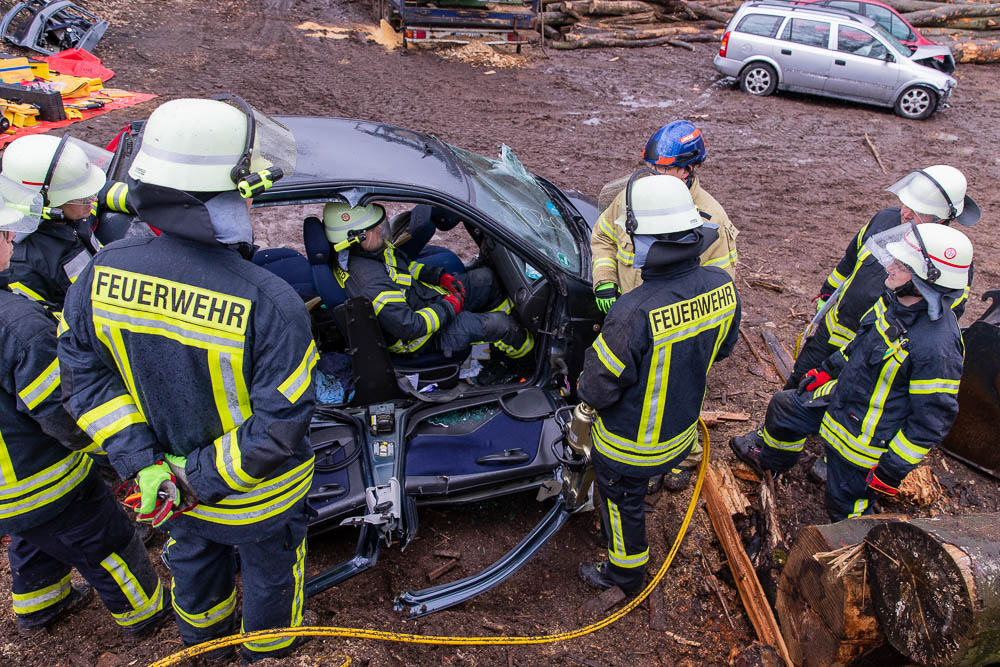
pixel 514 37
pixel 725 45
pixel 416 34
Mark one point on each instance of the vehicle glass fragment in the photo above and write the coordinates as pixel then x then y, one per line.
pixel 507 192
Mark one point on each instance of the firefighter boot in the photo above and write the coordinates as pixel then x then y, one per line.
pixel 79 595
pixel 596 575
pixel 747 449
pixel 818 471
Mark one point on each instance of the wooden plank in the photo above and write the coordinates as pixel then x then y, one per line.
pixel 751 593
pixel 779 355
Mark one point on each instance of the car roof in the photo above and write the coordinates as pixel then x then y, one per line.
pixel 827 12
pixel 345 150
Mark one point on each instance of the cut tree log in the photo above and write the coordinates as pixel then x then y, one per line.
pixel 976 51
pixel 618 7
pixel 909 6
pixel 945 13
pixel 555 18
pixel 826 619
pixel 936 587
pixel 751 593
pixel 698 9
pixel 982 24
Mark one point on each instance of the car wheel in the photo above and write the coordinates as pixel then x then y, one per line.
pixel 916 102
pixel 758 79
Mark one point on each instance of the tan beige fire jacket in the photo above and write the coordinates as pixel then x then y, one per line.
pixel 612 249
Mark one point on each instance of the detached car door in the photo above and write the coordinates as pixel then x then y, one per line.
pixel 860 68
pixel 804 54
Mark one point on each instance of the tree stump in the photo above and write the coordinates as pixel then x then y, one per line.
pixel 936 587
pixel 826 619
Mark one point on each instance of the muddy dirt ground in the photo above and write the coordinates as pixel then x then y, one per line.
pixel 793 172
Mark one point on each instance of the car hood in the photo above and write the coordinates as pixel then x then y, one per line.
pixel 944 61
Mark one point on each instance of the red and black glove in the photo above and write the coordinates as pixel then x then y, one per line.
pixel 813 379
pixel 879 480
pixel 456 300
pixel 452 284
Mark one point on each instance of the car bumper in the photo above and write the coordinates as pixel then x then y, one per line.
pixel 728 66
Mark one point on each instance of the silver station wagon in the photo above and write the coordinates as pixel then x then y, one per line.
pixel 833 52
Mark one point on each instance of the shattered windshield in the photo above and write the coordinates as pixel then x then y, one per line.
pixel 508 193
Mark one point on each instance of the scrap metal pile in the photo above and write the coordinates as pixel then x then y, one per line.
pixel 972 31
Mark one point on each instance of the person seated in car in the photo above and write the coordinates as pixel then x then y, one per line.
pixel 412 231
pixel 421 308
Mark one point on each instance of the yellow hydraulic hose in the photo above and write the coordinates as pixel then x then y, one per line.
pixel 364 633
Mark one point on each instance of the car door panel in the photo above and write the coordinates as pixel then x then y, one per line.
pixel 803 55
pixel 859 69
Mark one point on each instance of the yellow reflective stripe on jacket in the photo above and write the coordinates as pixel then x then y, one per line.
pixel 606 227
pixel 115 199
pixel 839 334
pixel 431 321
pixel 607 357
pixel 630 452
pixel 605 262
pixel 395 275
pixel 110 418
pixel 387 297
pixel 208 618
pixel 725 261
pixel 906 450
pixel 44 487
pixel 43 598
pixel 41 387
pixel 624 257
pixel 229 463
pixel 616 547
pixel 229 389
pixel 7 474
pixel 504 306
pixel 24 290
pixel 783 445
pixel 143 606
pixel 651 419
pixel 836 279
pixel 192 335
pixel 267 499
pixel 295 385
pixel 933 386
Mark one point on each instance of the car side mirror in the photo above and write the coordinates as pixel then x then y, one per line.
pixel 889 58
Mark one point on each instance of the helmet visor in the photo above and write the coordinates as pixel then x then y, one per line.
pixel 273 146
pixel 79 172
pixel 887 246
pixel 22 208
pixel 917 191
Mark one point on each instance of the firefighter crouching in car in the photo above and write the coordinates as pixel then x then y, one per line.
pixel 192 367
pixel 935 194
pixel 674 150
pixel 891 394
pixel 53 504
pixel 645 374
pixel 68 173
pixel 420 307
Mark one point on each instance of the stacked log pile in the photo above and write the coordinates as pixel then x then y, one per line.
pixel 970 29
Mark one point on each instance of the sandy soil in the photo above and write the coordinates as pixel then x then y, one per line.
pixel 793 172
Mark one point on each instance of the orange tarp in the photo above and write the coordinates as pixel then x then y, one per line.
pixel 45 126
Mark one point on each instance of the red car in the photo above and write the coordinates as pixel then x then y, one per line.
pixel 881 13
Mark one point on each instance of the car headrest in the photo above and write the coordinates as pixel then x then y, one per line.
pixel 315 242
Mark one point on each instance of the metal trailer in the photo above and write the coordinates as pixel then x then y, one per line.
pixel 458 21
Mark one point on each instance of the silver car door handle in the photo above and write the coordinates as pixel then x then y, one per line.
pixel 839 62
pixel 786 52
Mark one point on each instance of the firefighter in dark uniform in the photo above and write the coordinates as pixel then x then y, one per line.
pixel 935 194
pixel 421 307
pixel 58 513
pixel 68 173
pixel 192 367
pixel 646 372
pixel 891 394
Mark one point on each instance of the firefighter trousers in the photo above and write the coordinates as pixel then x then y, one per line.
pixel 623 511
pixel 96 537
pixel 204 585
pixel 482 292
pixel 791 417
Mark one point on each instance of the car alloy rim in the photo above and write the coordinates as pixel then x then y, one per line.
pixel 915 102
pixel 758 80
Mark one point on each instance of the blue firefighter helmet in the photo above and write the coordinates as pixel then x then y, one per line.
pixel 678 144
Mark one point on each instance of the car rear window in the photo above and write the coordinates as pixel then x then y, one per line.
pixel 844 4
pixel 765 25
pixel 804 31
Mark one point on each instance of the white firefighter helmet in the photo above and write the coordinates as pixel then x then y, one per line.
pixel 20 207
pixel 200 145
pixel 938 254
pixel 339 219
pixel 938 190
pixel 63 169
pixel 660 204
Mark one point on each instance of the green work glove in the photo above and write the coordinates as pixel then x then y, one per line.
pixel 606 294
pixel 819 304
pixel 150 479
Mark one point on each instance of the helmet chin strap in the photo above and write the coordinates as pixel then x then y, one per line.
pixel 631 224
pixel 907 289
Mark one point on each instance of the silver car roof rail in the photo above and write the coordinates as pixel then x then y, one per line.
pixel 814 7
